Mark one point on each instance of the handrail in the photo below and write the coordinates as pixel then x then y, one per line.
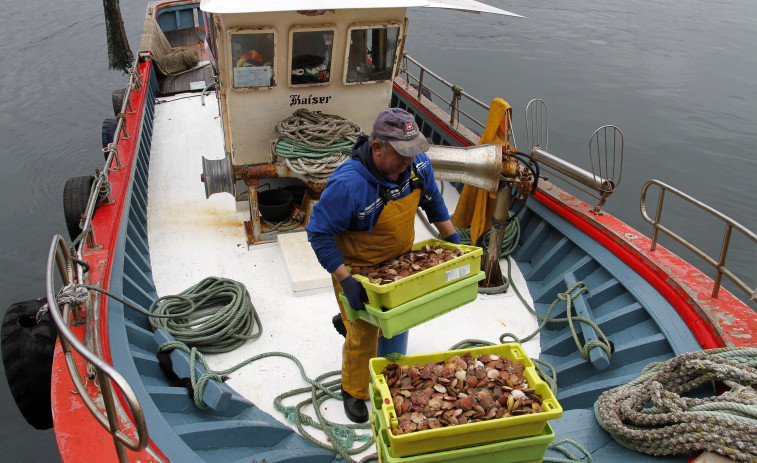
pixel 102 177
pixel 458 94
pixel 730 225
pixel 59 255
pixel 603 179
pixel 594 184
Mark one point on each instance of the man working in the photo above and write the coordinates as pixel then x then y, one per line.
pixel 365 216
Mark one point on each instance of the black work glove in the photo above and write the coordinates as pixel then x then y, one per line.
pixel 354 292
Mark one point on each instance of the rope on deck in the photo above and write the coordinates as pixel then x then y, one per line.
pixel 313 144
pixel 216 315
pixel 509 243
pixel 651 415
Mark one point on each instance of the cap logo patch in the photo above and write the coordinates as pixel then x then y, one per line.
pixel 409 129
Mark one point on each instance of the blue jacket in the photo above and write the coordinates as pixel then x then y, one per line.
pixel 351 201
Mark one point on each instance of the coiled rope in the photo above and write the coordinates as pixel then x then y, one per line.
pixel 214 316
pixel 313 144
pixel 674 424
pixel 217 315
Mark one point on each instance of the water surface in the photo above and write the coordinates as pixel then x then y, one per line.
pixel 678 79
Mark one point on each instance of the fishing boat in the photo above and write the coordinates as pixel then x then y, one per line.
pixel 185 199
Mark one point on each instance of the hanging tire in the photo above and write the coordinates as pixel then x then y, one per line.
pixel 108 131
pixel 117 98
pixel 75 197
pixel 28 345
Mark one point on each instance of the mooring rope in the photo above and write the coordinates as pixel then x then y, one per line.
pixel 675 424
pixel 509 244
pixel 216 315
pixel 341 436
pixel 313 144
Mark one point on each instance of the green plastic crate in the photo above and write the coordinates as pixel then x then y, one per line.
pixel 420 310
pixel 523 450
pixel 394 294
pixel 469 434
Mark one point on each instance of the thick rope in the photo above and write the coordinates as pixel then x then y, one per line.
pixel 313 144
pixel 216 315
pixel 675 424
pixel 317 170
pixel 342 437
pixel 286 225
pixel 199 325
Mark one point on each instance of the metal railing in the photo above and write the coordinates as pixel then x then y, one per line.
pixel 730 225
pixel 421 84
pixel 61 256
pixel 605 153
pixel 605 149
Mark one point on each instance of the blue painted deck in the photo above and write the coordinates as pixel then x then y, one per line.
pixel 552 255
pixel 239 432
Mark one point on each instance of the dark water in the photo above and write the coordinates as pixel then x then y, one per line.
pixel 678 79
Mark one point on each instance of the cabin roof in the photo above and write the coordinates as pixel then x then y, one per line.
pixel 253 6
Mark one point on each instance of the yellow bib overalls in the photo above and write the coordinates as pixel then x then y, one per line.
pixel 392 235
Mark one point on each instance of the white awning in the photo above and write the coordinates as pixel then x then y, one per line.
pixel 469 5
pixel 257 6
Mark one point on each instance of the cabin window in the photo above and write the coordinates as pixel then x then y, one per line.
pixel 252 56
pixel 372 53
pixel 311 56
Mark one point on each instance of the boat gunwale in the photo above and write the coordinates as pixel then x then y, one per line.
pixel 106 226
pixel 677 280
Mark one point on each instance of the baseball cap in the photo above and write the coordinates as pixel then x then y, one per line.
pixel 398 127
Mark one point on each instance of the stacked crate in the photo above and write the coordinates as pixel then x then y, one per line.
pixel 515 439
pixel 408 302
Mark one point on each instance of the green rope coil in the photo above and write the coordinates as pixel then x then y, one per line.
pixel 509 241
pixel 216 315
pixel 313 144
pixel 315 135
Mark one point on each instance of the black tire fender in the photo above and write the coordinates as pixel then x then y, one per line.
pixel 75 197
pixel 117 98
pixel 28 345
pixel 107 132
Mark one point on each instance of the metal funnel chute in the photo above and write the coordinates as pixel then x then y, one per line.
pixel 479 166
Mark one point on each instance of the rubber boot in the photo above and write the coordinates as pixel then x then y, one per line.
pixel 397 344
pixel 338 323
pixel 355 409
